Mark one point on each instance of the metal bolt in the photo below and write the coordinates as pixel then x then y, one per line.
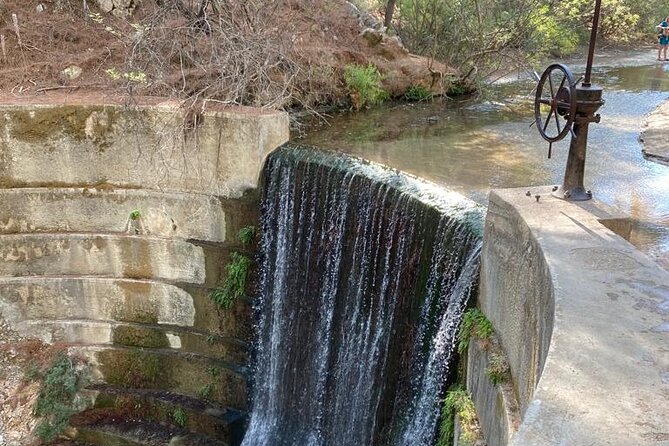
pixel 589 193
pixel 567 194
pixel 555 188
pixel 528 193
pixel 537 197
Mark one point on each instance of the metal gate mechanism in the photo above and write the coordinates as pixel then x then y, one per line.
pixel 563 106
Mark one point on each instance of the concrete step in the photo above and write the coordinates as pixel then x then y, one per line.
pixel 160 214
pixel 196 415
pixel 167 370
pixel 131 432
pixel 186 340
pixel 27 299
pixel 101 255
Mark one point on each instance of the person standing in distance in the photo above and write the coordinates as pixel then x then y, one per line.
pixel 663 39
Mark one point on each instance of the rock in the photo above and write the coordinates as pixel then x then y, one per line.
pixel 372 36
pixel 105 5
pixel 120 8
pixel 40 7
pixel 71 73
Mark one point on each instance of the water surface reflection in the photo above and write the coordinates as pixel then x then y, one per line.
pixel 475 146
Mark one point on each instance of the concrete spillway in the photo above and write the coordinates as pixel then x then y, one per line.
pixel 365 275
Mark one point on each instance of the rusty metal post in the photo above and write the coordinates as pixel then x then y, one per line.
pixel 588 100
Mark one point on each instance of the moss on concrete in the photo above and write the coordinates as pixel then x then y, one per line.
pixel 39 125
pixel 140 337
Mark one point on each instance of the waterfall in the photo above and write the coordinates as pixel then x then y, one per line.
pixel 365 273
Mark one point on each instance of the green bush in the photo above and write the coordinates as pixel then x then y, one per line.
pixel 364 85
pixel 179 417
pixel 552 35
pixel 474 323
pixel 246 235
pixel 458 402
pixel 498 369
pixel 418 93
pixel 55 403
pixel 234 285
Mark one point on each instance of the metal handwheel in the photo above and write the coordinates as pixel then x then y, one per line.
pixel 555 101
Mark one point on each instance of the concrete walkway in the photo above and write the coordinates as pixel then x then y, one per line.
pixel 655 135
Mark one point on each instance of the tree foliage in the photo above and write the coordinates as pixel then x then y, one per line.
pixel 477 35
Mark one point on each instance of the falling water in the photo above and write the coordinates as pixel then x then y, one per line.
pixel 365 275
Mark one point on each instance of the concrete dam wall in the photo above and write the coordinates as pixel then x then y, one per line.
pixel 581 317
pixel 115 224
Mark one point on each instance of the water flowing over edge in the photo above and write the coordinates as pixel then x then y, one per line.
pixel 356 358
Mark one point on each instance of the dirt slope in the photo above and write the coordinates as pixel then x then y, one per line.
pixel 291 55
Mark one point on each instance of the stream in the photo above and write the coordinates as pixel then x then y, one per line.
pixel 473 146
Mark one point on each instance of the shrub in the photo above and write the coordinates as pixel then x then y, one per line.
pixel 458 402
pixel 246 235
pixel 179 417
pixel 418 93
pixel 498 369
pixel 364 85
pixel 474 323
pixel 55 403
pixel 234 285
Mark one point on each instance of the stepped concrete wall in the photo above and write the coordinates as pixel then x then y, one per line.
pixel 583 320
pixel 115 224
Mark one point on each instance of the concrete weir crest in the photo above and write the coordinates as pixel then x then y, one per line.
pixel 116 222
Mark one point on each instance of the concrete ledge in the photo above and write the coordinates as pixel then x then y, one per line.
pixel 104 255
pixel 187 374
pixel 584 319
pixel 121 300
pixel 136 335
pixel 162 146
pixel 188 216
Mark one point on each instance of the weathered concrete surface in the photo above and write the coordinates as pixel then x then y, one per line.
pixel 584 320
pixel 163 369
pixel 216 152
pixel 161 214
pixel 101 255
pixel 502 414
pixel 93 299
pixel 137 335
pixel 654 135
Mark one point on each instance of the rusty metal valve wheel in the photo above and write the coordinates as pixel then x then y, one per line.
pixel 555 100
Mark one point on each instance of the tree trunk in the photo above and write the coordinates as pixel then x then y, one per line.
pixel 390 10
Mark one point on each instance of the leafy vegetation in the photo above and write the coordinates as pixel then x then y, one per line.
pixel 205 391
pixel 234 285
pixel 364 85
pixel 474 324
pixel 56 401
pixel 458 402
pixel 498 369
pixel 246 235
pixel 179 417
pixel 478 36
pixel 135 214
pixel 418 93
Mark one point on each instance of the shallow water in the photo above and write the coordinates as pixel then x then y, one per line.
pixel 473 146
